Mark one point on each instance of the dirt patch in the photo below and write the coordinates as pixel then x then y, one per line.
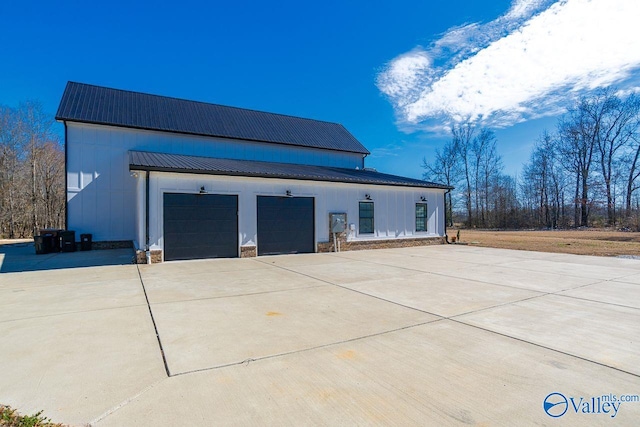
pixel 579 242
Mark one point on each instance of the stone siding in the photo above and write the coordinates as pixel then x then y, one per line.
pixel 356 245
pixel 141 256
pixel 248 252
pixel 380 244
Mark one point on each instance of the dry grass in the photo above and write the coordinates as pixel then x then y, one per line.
pixel 579 242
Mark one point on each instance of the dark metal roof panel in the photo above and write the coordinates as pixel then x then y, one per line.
pixel 142 160
pixel 100 105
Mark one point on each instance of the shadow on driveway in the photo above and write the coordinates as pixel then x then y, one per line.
pixel 21 256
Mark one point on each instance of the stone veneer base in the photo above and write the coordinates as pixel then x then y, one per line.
pixel 380 244
pixel 117 244
pixel 141 256
pixel 251 251
pixel 248 252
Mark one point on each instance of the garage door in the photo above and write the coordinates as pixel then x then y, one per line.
pixel 285 225
pixel 200 226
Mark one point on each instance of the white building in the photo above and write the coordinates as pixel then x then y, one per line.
pixel 183 179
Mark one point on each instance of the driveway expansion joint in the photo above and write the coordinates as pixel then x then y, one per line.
pixel 359 292
pixel 545 347
pixel 246 362
pixel 240 295
pixel 72 312
pixel 123 403
pixel 155 327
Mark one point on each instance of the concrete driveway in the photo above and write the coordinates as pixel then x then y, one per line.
pixel 439 335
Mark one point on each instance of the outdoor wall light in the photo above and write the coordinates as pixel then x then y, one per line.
pixel 202 190
pixel 288 193
pixel 134 174
pixel 423 199
pixel 367 196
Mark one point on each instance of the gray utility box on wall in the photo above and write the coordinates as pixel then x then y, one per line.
pixel 338 222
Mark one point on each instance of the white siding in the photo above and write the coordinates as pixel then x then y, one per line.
pixel 101 192
pixel 394 206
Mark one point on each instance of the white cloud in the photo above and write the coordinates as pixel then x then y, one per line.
pixel 528 63
pixel 386 151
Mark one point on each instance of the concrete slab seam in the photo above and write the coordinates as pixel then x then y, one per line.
pixel 123 403
pixel 596 301
pixel 564 274
pixel 272 356
pixel 542 294
pixel 345 256
pixel 494 306
pixel 155 327
pixel 503 264
pixel 545 347
pixel 482 281
pixel 72 312
pixel 360 292
pixel 557 293
pixel 626 283
pixel 240 295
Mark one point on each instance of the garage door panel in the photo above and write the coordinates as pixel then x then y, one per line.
pixel 200 226
pixel 285 225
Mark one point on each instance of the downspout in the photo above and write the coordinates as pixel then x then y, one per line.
pixel 146 217
pixel 446 237
pixel 66 180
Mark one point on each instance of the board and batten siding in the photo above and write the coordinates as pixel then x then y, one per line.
pixel 101 193
pixel 394 206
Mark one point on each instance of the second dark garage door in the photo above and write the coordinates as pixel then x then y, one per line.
pixel 200 226
pixel 285 225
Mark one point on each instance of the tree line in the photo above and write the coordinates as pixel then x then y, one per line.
pixel 31 172
pixel 585 172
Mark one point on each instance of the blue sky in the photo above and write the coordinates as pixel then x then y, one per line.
pixel 396 74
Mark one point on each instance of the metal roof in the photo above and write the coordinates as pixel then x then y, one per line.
pixel 100 105
pixel 162 162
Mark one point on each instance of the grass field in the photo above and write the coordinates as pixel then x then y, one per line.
pixel 580 242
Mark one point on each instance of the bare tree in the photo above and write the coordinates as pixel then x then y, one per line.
pixel 463 140
pixel 445 169
pixel 578 132
pixel 618 124
pixel 473 153
pixel 505 204
pixel 31 171
pixel 596 150
pixel 487 167
pixel 10 149
pixel 541 182
pixel 633 160
pixel 36 131
pixel 50 184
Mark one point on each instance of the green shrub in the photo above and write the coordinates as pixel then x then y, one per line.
pixel 9 417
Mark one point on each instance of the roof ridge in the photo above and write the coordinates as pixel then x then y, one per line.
pixel 205 103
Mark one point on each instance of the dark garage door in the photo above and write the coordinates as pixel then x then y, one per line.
pixel 285 225
pixel 200 226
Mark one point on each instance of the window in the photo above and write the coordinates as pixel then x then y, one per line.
pixel 366 218
pixel 421 217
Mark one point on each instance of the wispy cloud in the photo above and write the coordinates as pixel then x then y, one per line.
pixel 528 63
pixel 386 151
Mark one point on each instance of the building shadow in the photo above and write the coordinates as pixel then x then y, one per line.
pixel 21 256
